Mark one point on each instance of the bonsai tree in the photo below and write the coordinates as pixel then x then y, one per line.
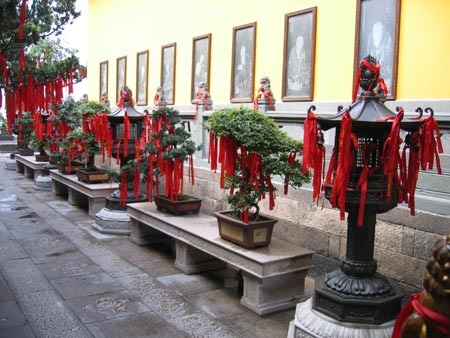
pixel 24 130
pixel 168 148
pixel 252 150
pixel 80 146
pixel 94 116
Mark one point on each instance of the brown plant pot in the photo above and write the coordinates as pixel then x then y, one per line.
pixel 252 235
pixel 92 175
pixel 42 158
pixel 185 204
pixel 64 168
pixel 26 152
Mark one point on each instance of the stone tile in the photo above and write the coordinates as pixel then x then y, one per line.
pixel 50 318
pixel 11 315
pixel 250 324
pixel 11 250
pixel 69 268
pixel 61 251
pixel 158 268
pixel 115 265
pixel 190 284
pixel 134 253
pixel 144 325
pixel 24 277
pixel 85 285
pixel 174 309
pixel 23 331
pixel 5 291
pixel 105 306
pixel 220 303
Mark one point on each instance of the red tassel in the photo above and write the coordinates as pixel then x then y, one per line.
pixel 345 162
pixel 126 134
pixel 390 156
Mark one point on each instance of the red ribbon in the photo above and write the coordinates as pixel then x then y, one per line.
pixel 435 319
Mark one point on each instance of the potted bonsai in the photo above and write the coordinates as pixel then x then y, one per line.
pixel 4 129
pixel 24 130
pixel 164 156
pixel 41 146
pixel 94 131
pixel 73 151
pixel 251 149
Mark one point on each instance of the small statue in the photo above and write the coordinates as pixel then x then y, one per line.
pixel 427 315
pixel 264 92
pixel 203 93
pixel 159 99
pixel 104 99
pixel 84 99
pixel 126 97
pixel 368 77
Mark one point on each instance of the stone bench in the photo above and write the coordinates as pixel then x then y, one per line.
pixel 274 276
pixel 80 193
pixel 28 166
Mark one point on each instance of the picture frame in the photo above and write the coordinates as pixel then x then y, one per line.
pixel 299 55
pixel 168 71
pixel 103 78
pixel 142 78
pixel 377 34
pixel 201 63
pixel 243 63
pixel 121 75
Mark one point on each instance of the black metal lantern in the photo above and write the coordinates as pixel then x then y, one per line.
pixel 124 143
pixel 360 183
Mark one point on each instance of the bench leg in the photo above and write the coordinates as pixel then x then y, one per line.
pixel 59 189
pixel 19 167
pixel 274 293
pixel 28 172
pixel 142 234
pixel 76 198
pixel 95 205
pixel 191 260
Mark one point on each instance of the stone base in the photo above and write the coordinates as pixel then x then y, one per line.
pixel 10 164
pixel 43 183
pixel 309 323
pixel 114 222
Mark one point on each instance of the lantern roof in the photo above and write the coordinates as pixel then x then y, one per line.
pixel 120 113
pixel 369 111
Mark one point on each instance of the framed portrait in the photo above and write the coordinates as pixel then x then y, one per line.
pixel 201 57
pixel 142 78
pixel 103 78
pixel 243 63
pixel 168 62
pixel 299 54
pixel 121 75
pixel 377 34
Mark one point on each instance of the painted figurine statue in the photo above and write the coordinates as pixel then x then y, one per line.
pixel 159 97
pixel 427 315
pixel 264 92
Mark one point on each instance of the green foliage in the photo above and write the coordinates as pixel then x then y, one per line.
pixel 3 126
pixel 24 127
pixel 43 19
pixel 69 112
pixel 173 138
pixel 92 108
pixel 261 135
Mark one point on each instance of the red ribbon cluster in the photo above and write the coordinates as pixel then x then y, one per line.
pixel 432 318
pixel 233 157
pixel 400 170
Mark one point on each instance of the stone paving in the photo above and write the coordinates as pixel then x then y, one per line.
pixel 59 278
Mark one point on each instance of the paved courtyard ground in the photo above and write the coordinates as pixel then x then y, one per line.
pixel 60 278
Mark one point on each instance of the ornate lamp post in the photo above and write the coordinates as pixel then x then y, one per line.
pixel 367 176
pixel 126 126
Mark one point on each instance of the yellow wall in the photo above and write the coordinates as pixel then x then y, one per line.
pixel 118 28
